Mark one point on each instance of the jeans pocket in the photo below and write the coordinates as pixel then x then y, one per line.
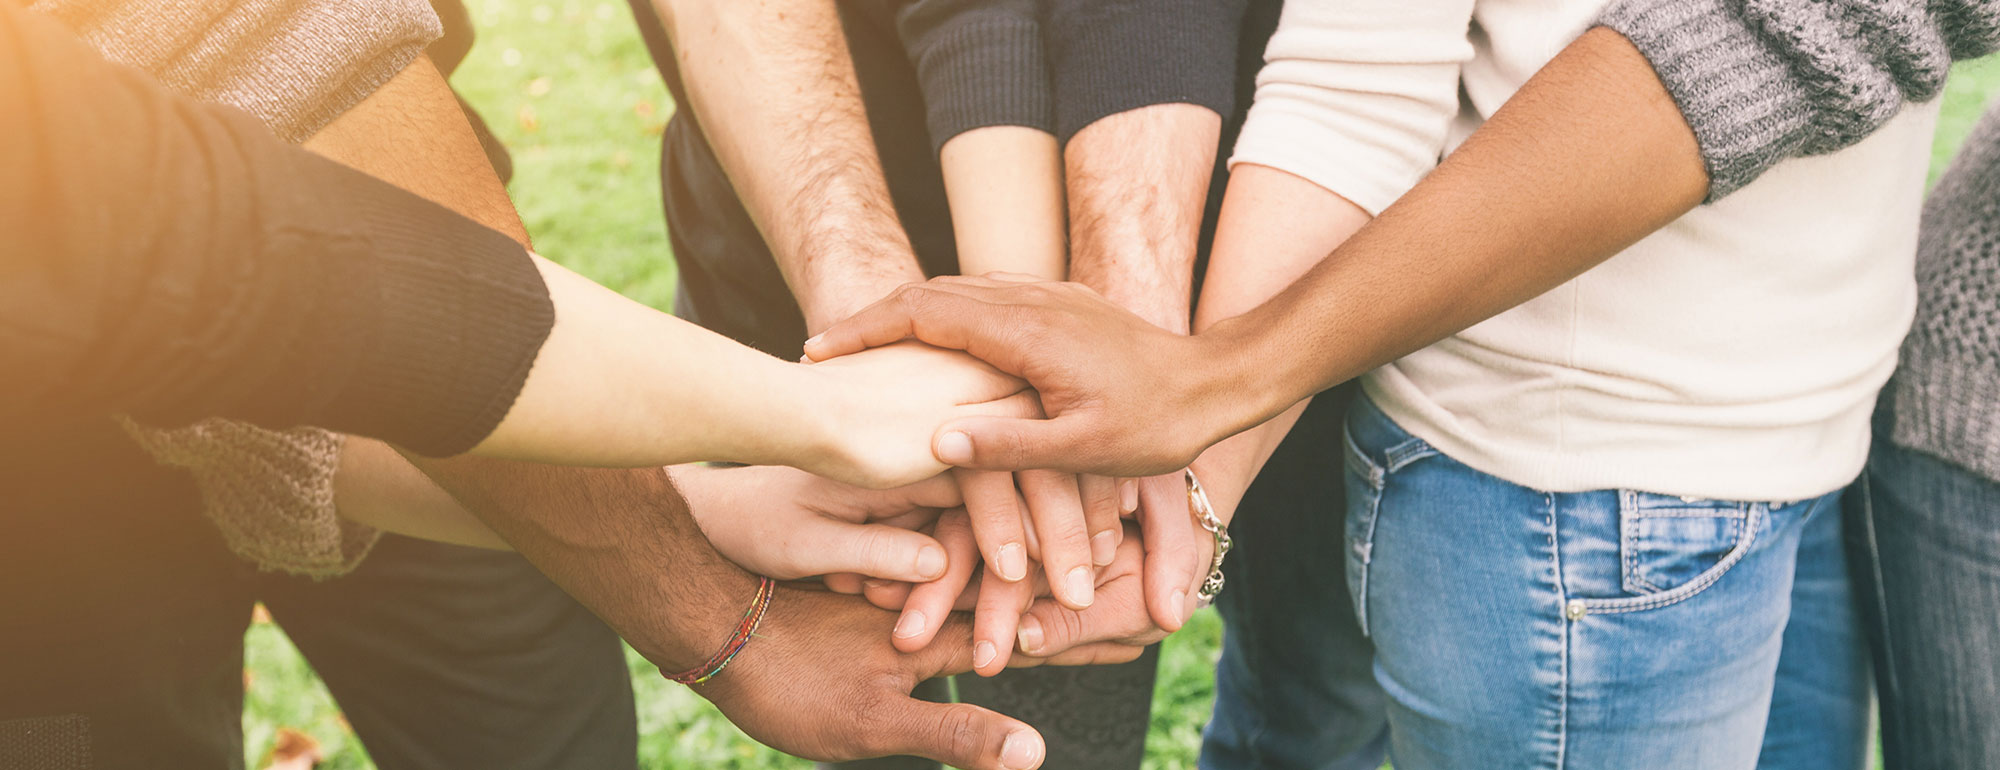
pixel 1672 548
pixel 1364 500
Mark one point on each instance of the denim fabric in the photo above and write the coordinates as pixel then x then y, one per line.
pixel 1925 535
pixel 1610 629
pixel 1294 688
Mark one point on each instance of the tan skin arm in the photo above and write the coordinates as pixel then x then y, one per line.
pixel 623 542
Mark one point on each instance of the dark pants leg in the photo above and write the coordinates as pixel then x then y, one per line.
pixel 1091 716
pixel 1924 540
pixel 121 611
pixel 445 656
pixel 1295 687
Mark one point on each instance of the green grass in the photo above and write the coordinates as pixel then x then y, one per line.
pixel 569 88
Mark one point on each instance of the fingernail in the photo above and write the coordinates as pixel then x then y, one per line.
pixel 1128 496
pixel 1030 634
pixel 1179 600
pixel 930 562
pixel 1013 562
pixel 954 448
pixel 1020 751
pixel 814 340
pixel 1080 580
pixel 911 624
pixel 982 654
pixel 1104 547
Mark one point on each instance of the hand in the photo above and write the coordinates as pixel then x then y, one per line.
pixel 1127 613
pixel 881 409
pixel 882 425
pixel 787 524
pixel 1157 575
pixel 818 682
pixel 1125 398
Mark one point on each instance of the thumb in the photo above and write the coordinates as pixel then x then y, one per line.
pixel 1010 443
pixel 960 735
pixel 822 546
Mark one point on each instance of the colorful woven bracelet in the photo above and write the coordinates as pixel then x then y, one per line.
pixel 737 641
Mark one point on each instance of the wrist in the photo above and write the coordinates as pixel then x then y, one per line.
pixel 843 286
pixel 1251 377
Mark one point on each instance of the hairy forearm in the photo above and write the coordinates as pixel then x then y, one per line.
pixel 1005 185
pixel 779 101
pixel 620 541
pixel 1274 227
pixel 1138 183
pixel 1587 158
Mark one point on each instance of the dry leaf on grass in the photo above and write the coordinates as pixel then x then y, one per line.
pixel 293 750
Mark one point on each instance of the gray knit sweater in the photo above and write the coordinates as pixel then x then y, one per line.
pixel 1946 394
pixel 1764 80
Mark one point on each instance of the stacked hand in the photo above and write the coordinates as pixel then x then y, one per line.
pixel 887 403
pixel 1123 396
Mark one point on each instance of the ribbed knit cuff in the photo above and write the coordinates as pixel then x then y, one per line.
pixel 462 313
pixel 1948 405
pixel 985 72
pixel 1747 106
pixel 1118 56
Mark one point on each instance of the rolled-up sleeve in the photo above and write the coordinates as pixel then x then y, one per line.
pixel 1357 96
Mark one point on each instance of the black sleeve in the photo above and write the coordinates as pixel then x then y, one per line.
pixel 979 62
pixel 1109 56
pixel 175 261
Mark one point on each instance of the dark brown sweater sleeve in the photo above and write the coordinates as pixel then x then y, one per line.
pixel 175 261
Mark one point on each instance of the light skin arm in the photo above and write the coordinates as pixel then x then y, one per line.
pixel 625 544
pixel 1005 187
pixel 1590 156
pixel 1274 227
pixel 780 104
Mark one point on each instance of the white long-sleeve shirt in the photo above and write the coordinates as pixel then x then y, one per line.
pixel 1734 354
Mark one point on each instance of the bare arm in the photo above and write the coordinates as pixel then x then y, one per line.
pixel 779 102
pixel 1274 227
pixel 1588 157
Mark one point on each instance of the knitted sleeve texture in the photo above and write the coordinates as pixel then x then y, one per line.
pixel 1760 81
pixel 180 263
pixel 1110 56
pixel 980 63
pixel 1946 393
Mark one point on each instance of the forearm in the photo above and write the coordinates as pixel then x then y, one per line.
pixel 1587 158
pixel 615 383
pixel 1005 185
pixel 620 541
pixel 1273 228
pixel 778 99
pixel 619 384
pixel 1138 183
pixel 376 486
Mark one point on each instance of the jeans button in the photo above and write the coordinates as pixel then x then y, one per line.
pixel 1575 610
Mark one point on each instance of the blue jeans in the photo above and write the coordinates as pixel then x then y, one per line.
pixel 1294 688
pixel 1610 629
pixel 1925 538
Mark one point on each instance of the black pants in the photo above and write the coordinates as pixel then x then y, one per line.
pixel 122 617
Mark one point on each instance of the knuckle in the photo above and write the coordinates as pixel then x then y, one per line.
pixel 958 731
